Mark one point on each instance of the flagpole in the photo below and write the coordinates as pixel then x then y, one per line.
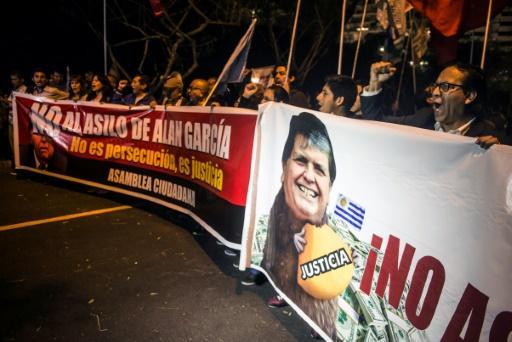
pixel 105 36
pixel 213 88
pixel 487 29
pixel 67 78
pixel 292 43
pixel 402 71
pixel 342 35
pixel 359 39
pixel 223 72
pixel 413 56
pixel 472 47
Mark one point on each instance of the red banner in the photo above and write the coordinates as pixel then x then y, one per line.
pixel 150 150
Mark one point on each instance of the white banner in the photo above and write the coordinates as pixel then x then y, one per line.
pixel 410 235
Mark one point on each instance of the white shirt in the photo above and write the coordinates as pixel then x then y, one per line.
pixel 462 130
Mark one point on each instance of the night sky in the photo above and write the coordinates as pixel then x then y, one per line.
pixel 42 33
pixel 53 34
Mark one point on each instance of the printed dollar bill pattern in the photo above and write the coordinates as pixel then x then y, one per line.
pixel 361 318
pixel 378 320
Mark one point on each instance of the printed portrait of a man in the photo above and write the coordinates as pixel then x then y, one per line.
pixel 308 173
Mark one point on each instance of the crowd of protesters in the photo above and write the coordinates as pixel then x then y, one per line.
pixel 455 103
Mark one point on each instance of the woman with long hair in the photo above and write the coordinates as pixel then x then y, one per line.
pixel 101 89
pixel 77 88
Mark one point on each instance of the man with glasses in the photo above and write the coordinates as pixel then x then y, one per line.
pixel 457 97
pixel 197 92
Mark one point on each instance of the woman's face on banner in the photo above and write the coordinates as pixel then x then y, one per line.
pixel 306 181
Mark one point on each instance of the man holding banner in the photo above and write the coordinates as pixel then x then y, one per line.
pixel 459 103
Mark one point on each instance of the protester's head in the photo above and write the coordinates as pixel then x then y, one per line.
pixel 39 78
pixel 123 86
pixel 173 86
pixel 338 95
pixel 140 84
pixel 211 82
pixel 275 93
pixel 197 91
pixel 56 78
pixel 458 94
pixel 43 147
pixel 280 76
pixel 77 85
pixel 308 168
pixel 112 80
pixel 17 79
pixel 88 76
pixel 474 82
pixel 100 83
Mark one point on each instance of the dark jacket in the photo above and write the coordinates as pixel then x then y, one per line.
pixel 145 101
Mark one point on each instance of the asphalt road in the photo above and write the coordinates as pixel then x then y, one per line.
pixel 143 273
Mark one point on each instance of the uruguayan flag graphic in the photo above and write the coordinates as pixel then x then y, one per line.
pixel 349 212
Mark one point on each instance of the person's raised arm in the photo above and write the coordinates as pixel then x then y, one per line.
pixel 380 72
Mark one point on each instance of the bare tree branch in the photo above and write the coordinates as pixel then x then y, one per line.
pixel 198 11
pixel 144 55
pixel 188 30
pixel 273 40
pixel 138 40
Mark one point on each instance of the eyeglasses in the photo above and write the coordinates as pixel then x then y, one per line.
pixel 445 87
pixel 282 73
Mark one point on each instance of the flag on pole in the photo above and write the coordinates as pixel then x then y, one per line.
pixel 452 17
pixel 233 71
pixel 419 38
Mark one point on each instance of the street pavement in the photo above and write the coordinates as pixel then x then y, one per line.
pixel 142 273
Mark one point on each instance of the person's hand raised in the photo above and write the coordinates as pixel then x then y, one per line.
pixel 380 72
pixel 249 90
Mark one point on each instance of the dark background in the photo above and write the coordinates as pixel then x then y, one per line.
pixel 51 34
pixel 54 34
pixel 41 33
